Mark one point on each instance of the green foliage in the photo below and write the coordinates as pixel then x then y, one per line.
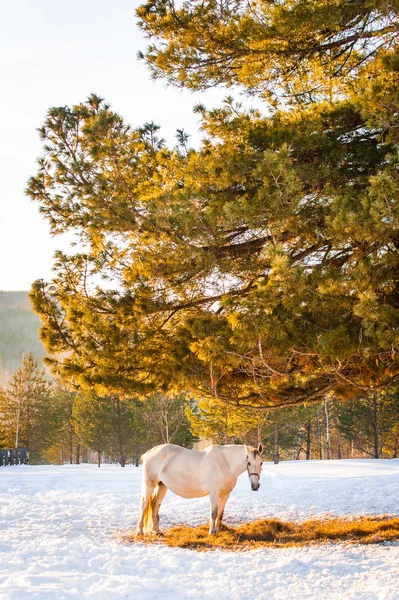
pixel 261 269
pixel 118 426
pixel 92 418
pixel 286 429
pixel 280 431
pixel 3 437
pixel 165 420
pixel 127 428
pixel 220 423
pixel 259 278
pixel 63 441
pixel 301 49
pixel 29 418
pixel 371 422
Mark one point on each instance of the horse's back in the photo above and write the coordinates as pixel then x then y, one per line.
pixel 160 456
pixel 165 450
pixel 188 473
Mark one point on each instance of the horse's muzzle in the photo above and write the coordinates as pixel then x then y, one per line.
pixel 255 487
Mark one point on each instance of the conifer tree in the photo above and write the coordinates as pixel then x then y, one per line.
pixel 109 425
pixel 370 423
pixel 261 269
pixel 127 432
pixel 92 417
pixel 165 420
pixel 3 437
pixel 27 408
pixel 220 423
pixel 389 424
pixel 301 49
pixel 64 443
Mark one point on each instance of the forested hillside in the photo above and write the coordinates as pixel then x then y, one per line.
pixel 19 330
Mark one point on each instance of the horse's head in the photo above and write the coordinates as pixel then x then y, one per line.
pixel 254 465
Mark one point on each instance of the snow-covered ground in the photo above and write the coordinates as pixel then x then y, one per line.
pixel 59 529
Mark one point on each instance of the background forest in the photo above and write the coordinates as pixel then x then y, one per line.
pixel 61 426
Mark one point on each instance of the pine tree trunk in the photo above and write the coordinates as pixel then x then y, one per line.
pixel 276 454
pixel 78 454
pixel 137 461
pixel 226 426
pixel 320 437
pixel 298 454
pixel 395 449
pixel 122 459
pixel 259 433
pixel 18 419
pixel 328 449
pixel 308 428
pixel 28 428
pixel 339 446
pixel 375 428
pixel 70 445
pixel 99 458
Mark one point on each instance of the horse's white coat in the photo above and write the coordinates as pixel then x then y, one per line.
pixel 193 474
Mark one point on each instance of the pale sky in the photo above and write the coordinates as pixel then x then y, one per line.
pixel 53 53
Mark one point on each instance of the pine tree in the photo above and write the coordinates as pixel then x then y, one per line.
pixel 370 423
pixel 260 270
pixel 3 437
pixel 298 50
pixel 28 416
pixel 109 425
pixel 92 420
pixel 64 444
pixel 221 424
pixel 127 428
pixel 165 420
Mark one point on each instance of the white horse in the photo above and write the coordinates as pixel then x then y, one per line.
pixel 194 474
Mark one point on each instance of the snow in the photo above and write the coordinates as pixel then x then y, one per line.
pixel 60 536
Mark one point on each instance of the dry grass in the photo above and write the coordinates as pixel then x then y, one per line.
pixel 275 533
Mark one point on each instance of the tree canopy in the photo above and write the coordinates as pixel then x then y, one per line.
pixel 260 269
pixel 301 49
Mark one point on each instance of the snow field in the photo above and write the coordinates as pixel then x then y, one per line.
pixel 60 526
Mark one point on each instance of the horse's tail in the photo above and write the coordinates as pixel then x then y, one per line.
pixel 148 513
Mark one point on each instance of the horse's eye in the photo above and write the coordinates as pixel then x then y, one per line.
pixel 249 464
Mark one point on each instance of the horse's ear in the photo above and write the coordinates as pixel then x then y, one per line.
pixel 260 448
pixel 247 449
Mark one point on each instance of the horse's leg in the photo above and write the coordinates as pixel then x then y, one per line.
pixel 145 500
pixel 221 504
pixel 156 504
pixel 214 497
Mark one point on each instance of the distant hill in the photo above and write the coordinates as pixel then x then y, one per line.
pixel 19 331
